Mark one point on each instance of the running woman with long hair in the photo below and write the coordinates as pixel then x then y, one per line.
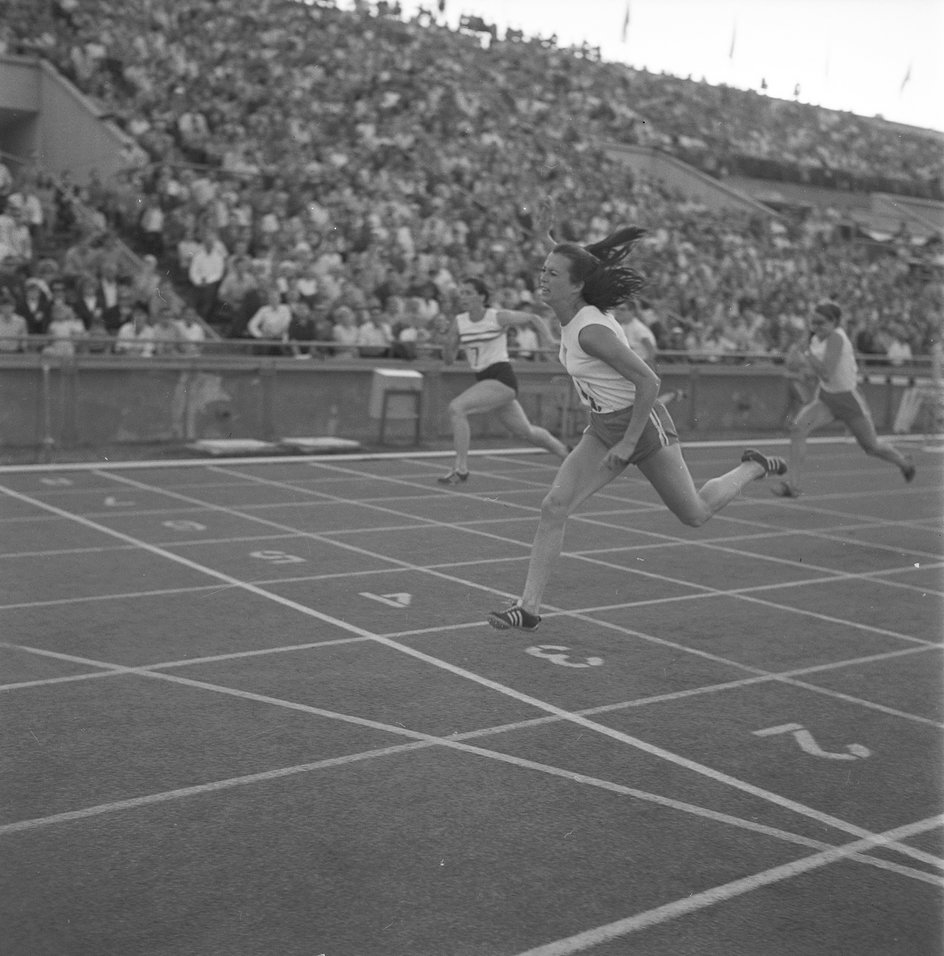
pixel 481 333
pixel 831 356
pixel 582 284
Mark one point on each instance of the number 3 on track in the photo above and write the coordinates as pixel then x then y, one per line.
pixel 558 655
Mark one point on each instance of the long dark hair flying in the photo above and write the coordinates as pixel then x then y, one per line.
pixel 606 281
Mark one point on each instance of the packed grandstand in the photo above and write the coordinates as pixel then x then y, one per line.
pixel 304 174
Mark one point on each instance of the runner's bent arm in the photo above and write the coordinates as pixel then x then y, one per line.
pixel 602 343
pixel 830 360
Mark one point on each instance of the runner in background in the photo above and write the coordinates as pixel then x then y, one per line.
pixel 481 333
pixel 831 356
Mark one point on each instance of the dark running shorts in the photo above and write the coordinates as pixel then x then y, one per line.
pixel 502 372
pixel 658 433
pixel 845 406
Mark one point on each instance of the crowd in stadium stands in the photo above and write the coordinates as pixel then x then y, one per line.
pixel 307 175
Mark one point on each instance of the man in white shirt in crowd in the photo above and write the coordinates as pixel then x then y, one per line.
pixel 207 268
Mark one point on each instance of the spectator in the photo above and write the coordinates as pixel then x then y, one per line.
pixel 109 287
pixel 307 281
pixel 66 200
pixel 898 351
pixel 58 294
pixel 344 332
pixel 13 327
pixel 6 180
pixel 151 227
pixel 97 339
pixel 324 330
pixel 88 305
pixel 638 335
pixel 146 283
pixel 34 307
pixel 65 330
pixel 374 336
pixel 207 268
pixel 136 338
pixel 10 278
pixel 187 247
pixel 34 213
pixel 123 311
pixel 801 379
pixel 192 333
pixel 15 237
pixel 167 336
pixel 238 298
pixel 302 330
pixel 271 323
pixel 525 343
pixel 45 273
pixel 79 259
pixel 106 254
pixel 868 341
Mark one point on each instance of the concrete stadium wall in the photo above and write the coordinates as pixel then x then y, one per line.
pixel 101 401
pixel 691 182
pixel 57 125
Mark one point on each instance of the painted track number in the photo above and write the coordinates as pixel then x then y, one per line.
pixel 558 654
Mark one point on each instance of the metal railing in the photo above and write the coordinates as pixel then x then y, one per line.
pixel 323 349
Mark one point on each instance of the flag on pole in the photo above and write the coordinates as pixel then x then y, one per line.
pixel 734 33
pixel 626 22
pixel 905 81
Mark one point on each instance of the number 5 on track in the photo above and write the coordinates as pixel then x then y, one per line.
pixel 557 654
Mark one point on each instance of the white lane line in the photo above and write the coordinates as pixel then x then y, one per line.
pixel 419 740
pixel 214 786
pixel 162 463
pixel 120 596
pixel 108 549
pixel 368 456
pixel 651 749
pixel 435 523
pixel 836 574
pixel 113 670
pixel 727 891
pixel 701 592
pixel 105 670
pixel 710 592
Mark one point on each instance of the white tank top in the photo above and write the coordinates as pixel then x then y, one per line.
pixel 484 342
pixel 846 374
pixel 599 385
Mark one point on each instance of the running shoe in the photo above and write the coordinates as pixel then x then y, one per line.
pixel 909 470
pixel 515 617
pixel 771 464
pixel 454 478
pixel 786 490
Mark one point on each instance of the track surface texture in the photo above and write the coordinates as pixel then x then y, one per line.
pixel 252 708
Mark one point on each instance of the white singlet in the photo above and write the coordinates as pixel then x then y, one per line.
pixel 599 385
pixel 484 342
pixel 845 377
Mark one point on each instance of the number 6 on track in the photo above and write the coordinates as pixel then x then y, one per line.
pixel 556 654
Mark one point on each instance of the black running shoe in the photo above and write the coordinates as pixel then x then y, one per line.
pixel 909 470
pixel 771 464
pixel 454 478
pixel 786 490
pixel 515 616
